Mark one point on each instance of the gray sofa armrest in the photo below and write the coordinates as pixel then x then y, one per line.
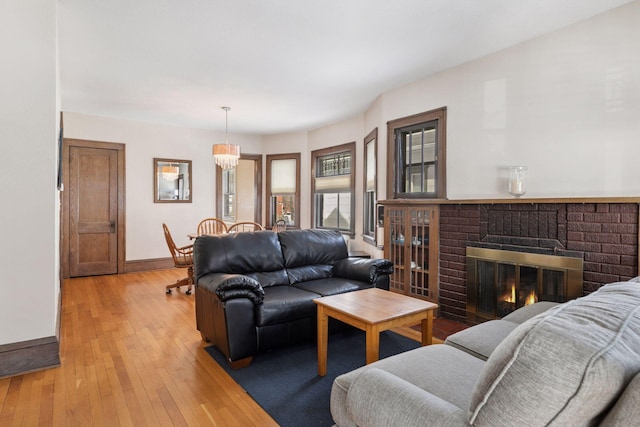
pixel 379 398
pixel 231 286
pixel 362 269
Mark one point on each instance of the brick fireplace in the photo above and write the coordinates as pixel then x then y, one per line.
pixel 603 235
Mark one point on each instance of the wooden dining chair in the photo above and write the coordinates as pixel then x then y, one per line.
pixel 182 258
pixel 245 226
pixel 280 225
pixel 211 226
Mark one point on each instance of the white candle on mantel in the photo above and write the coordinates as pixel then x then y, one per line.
pixel 517 185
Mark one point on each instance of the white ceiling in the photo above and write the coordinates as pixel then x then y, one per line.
pixel 281 65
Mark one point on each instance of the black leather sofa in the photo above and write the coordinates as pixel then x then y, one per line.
pixel 255 291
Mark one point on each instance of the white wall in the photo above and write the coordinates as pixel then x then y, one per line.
pixel 566 105
pixel 144 141
pixel 29 285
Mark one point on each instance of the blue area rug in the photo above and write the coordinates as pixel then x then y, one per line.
pixel 286 384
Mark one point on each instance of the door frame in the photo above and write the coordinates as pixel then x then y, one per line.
pixel 67 143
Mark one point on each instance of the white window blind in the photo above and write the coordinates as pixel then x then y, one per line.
pixel 371 168
pixel 333 184
pixel 283 176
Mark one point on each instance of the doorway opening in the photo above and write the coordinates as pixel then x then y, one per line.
pixel 239 191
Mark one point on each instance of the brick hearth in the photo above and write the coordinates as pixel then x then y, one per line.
pixel 604 235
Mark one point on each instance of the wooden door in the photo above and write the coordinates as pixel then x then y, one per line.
pixel 93 211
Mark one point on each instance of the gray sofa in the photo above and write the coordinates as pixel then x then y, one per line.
pixel 571 364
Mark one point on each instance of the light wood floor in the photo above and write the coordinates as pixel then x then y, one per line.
pixel 131 356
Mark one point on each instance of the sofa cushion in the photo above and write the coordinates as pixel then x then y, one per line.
pixel 314 250
pixel 305 273
pixel 269 278
pixel 439 369
pixel 240 253
pixel 480 340
pixel 565 366
pixel 283 304
pixel 331 286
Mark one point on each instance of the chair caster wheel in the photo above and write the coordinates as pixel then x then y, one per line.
pixel 168 291
pixel 188 292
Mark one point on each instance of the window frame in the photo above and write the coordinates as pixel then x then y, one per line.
pixel 394 169
pixel 268 210
pixel 349 147
pixel 369 213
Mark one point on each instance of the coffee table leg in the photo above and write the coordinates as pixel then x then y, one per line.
pixel 373 343
pixel 323 337
pixel 427 329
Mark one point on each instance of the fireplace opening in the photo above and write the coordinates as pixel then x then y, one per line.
pixel 499 282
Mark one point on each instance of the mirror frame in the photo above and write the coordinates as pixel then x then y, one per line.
pixel 157 180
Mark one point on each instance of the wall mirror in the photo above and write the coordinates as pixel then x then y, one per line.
pixel 172 181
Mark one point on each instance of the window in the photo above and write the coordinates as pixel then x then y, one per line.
pixel 228 194
pixel 333 188
pixel 283 188
pixel 416 156
pixel 370 187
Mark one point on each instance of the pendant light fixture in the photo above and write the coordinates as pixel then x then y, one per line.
pixel 226 155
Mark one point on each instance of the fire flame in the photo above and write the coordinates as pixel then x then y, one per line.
pixel 530 299
pixel 512 298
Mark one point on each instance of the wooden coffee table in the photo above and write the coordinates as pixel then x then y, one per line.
pixel 373 311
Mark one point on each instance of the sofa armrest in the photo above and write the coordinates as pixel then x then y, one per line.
pixel 231 286
pixel 379 398
pixel 362 269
